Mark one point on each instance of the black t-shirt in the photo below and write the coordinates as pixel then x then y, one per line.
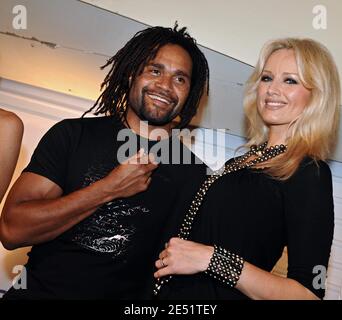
pixel 111 253
pixel 255 216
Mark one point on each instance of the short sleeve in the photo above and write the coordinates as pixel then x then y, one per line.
pixel 51 156
pixel 309 214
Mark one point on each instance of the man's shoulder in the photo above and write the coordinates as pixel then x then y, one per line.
pixel 91 123
pixel 87 121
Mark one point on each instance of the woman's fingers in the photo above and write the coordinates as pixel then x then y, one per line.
pixel 162 272
pixel 161 263
pixel 183 257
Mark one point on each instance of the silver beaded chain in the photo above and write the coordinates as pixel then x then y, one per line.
pixel 263 154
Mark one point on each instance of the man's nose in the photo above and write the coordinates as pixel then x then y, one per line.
pixel 164 82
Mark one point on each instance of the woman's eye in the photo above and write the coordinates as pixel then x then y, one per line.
pixel 266 78
pixel 291 81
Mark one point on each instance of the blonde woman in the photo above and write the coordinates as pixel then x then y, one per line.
pixel 278 194
pixel 11 132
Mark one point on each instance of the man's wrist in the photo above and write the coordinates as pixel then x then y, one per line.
pixel 106 193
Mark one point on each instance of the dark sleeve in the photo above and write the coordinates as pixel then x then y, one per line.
pixel 309 214
pixel 51 156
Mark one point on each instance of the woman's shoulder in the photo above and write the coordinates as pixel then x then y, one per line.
pixel 10 121
pixel 312 171
pixel 8 116
pixel 308 166
pixel 311 165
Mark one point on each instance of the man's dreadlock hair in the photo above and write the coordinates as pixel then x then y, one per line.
pixel 129 62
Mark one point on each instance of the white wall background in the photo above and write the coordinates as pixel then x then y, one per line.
pixel 238 28
pixel 66 41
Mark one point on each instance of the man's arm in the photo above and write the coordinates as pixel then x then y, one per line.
pixel 36 211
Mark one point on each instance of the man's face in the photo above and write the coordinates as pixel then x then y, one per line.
pixel 160 91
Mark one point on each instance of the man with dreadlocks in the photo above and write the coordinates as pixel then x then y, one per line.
pixel 94 221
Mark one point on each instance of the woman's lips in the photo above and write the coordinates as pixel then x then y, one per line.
pixel 274 104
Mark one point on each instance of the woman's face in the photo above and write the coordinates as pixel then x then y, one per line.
pixel 281 97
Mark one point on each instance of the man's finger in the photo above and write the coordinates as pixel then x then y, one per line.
pixel 134 158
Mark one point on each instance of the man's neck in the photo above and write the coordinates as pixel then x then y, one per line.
pixel 150 132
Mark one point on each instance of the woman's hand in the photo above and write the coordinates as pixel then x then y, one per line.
pixel 183 257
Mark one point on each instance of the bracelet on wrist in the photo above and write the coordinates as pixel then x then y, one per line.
pixel 225 266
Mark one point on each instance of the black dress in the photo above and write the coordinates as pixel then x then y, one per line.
pixel 255 216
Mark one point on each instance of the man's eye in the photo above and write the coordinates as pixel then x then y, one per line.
pixel 291 81
pixel 155 71
pixel 266 78
pixel 180 79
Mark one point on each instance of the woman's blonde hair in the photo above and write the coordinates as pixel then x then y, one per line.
pixel 314 133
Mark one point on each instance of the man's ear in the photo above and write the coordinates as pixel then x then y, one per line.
pixel 129 81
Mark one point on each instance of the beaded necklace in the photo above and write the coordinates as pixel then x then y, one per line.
pixel 263 154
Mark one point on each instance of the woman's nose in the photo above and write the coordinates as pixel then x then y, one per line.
pixel 273 88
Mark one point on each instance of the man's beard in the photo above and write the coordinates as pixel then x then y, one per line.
pixel 145 115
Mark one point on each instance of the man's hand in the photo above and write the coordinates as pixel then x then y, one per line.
pixel 132 176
